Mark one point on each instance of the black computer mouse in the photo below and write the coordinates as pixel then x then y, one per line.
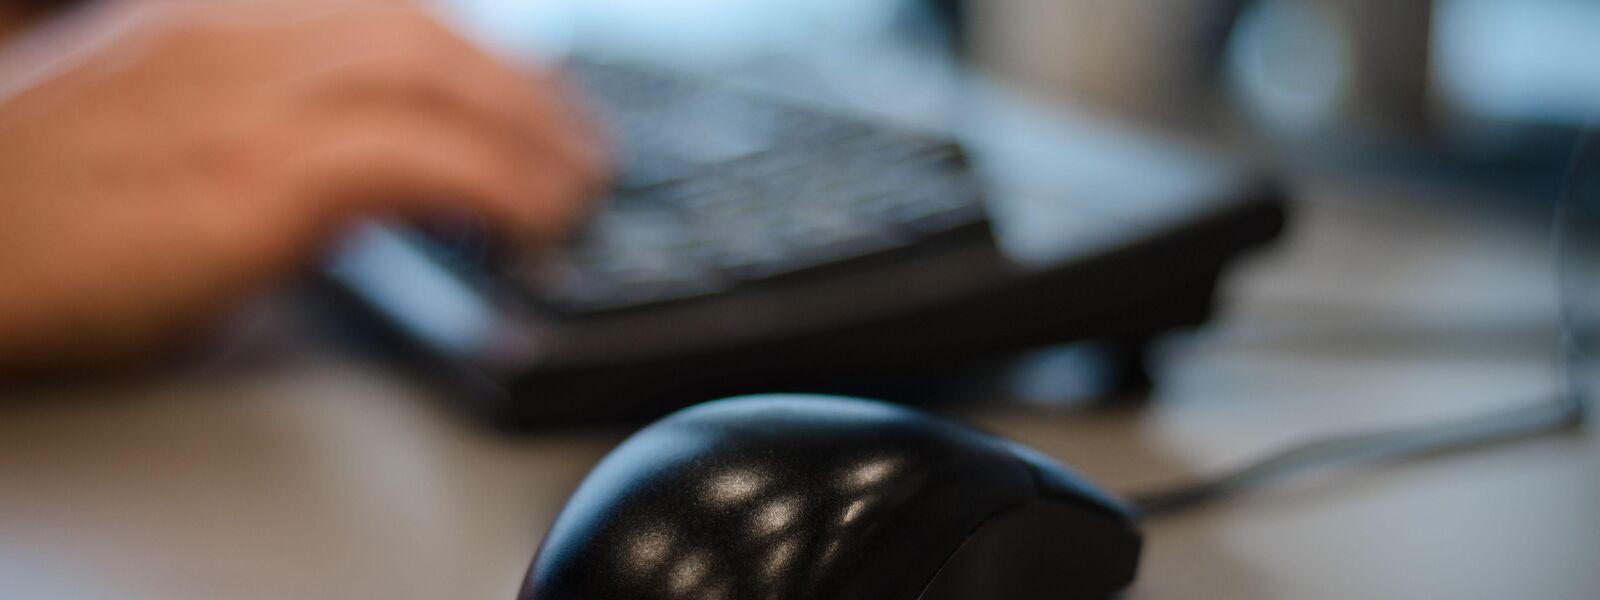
pixel 825 498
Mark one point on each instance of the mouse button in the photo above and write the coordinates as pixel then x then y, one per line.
pixel 1059 482
pixel 1037 551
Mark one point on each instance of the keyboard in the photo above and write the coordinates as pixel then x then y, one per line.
pixel 753 243
pixel 720 190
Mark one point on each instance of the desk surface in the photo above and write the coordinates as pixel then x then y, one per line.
pixel 318 477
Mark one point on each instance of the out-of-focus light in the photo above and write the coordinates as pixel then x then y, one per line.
pixel 516 31
pixel 1522 61
pixel 1290 63
pixel 660 29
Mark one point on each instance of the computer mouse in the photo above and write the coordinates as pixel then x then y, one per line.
pixel 789 497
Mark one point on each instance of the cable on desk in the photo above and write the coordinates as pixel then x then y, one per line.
pixel 1566 411
pixel 1396 443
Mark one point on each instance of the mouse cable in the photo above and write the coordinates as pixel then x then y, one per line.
pixel 1567 411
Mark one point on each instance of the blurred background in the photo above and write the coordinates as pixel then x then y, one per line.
pixel 1482 89
pixel 1423 143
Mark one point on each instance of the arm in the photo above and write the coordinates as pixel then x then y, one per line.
pixel 197 151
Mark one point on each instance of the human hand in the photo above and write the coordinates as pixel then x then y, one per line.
pixel 186 153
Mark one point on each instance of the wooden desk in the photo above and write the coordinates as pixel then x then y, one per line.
pixel 322 478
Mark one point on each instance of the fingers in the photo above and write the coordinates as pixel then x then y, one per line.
pixel 515 131
pixel 416 164
pixel 541 105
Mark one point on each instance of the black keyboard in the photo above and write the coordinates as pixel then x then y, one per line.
pixel 755 244
pixel 719 189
